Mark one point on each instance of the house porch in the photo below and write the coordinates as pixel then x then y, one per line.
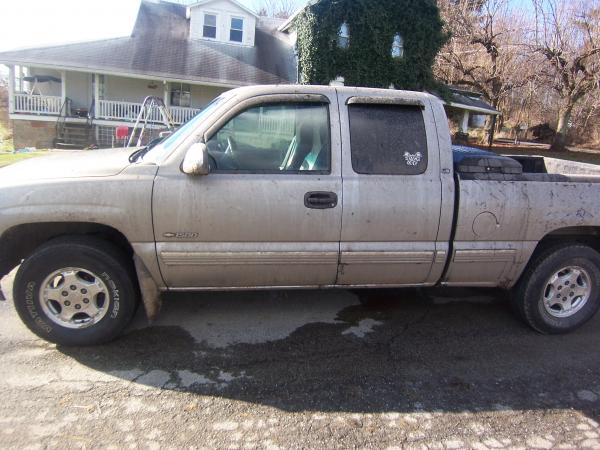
pixel 100 101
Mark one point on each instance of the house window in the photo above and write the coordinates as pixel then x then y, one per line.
pixel 343 40
pixel 398 47
pixel 181 95
pixel 236 34
pixel 210 26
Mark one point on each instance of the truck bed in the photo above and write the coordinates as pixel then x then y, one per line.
pixel 506 204
pixel 477 164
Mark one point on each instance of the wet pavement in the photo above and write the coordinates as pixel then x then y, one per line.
pixel 307 369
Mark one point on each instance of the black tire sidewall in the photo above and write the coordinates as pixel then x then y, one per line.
pixel 533 306
pixel 116 277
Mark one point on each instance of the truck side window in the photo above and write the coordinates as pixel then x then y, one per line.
pixel 387 139
pixel 274 138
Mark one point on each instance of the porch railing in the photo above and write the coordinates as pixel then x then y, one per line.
pixel 119 110
pixel 104 109
pixel 38 104
pixel 181 114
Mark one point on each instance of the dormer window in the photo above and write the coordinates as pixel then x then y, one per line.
pixel 226 21
pixel 398 47
pixel 210 26
pixel 343 40
pixel 236 33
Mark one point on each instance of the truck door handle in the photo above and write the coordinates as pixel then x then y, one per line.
pixel 320 200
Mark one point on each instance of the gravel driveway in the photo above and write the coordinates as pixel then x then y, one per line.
pixel 307 369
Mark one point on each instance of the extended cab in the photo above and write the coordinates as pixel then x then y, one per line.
pixel 296 186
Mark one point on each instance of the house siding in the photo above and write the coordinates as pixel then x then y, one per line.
pixel 79 89
pixel 202 95
pixel 130 89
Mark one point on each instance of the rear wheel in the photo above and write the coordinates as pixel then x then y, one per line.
pixel 560 290
pixel 76 291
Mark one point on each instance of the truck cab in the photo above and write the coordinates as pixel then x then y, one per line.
pixel 345 190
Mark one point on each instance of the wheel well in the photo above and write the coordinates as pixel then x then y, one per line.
pixel 18 242
pixel 577 235
pixel 589 236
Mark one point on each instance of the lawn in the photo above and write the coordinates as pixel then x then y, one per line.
pixel 7 158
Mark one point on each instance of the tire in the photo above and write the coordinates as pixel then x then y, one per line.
pixel 560 290
pixel 79 272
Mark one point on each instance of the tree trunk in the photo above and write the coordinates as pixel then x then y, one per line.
pixel 491 126
pixel 559 144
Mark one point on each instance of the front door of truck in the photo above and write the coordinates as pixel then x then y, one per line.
pixel 392 192
pixel 268 213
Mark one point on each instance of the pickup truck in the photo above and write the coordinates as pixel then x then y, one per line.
pixel 296 187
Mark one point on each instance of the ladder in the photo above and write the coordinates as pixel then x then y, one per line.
pixel 153 110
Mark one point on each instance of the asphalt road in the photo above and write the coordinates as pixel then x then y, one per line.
pixel 315 369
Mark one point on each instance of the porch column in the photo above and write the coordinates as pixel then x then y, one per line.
pixel 96 94
pixel 166 93
pixel 464 125
pixel 11 89
pixel 21 74
pixel 63 87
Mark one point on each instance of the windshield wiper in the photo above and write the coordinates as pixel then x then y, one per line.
pixel 139 153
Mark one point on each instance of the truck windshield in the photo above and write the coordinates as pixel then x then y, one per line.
pixel 161 150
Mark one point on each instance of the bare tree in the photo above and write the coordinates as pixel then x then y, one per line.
pixel 281 9
pixel 567 38
pixel 486 51
pixel 585 120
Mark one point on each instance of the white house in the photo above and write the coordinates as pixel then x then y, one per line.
pixel 76 94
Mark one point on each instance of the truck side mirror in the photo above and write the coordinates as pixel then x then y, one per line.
pixel 196 160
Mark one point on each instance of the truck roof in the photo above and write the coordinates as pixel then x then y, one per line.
pixel 312 89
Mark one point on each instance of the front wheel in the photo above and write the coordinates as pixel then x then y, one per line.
pixel 560 290
pixel 76 291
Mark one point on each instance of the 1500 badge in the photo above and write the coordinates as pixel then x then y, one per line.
pixel 182 235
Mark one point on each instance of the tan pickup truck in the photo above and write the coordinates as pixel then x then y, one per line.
pixel 295 187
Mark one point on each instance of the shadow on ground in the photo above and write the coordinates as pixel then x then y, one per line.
pixel 396 350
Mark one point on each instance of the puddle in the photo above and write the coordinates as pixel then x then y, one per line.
pixel 222 319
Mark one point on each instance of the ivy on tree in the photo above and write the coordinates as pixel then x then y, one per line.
pixel 367 60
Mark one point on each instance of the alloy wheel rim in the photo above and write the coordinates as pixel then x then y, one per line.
pixel 75 298
pixel 567 292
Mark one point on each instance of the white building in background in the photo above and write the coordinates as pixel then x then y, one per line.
pixel 185 52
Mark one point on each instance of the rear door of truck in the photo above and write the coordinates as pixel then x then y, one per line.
pixel 392 191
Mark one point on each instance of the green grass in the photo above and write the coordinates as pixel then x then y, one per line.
pixel 9 158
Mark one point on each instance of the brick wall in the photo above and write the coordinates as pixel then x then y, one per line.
pixel 33 133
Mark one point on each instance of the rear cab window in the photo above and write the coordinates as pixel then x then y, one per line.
pixel 387 139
